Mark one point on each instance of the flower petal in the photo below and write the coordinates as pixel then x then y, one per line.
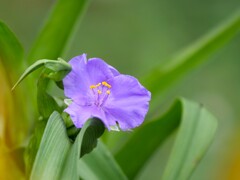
pixel 128 102
pixel 84 74
pixel 123 103
pixel 76 83
pixel 99 71
pixel 101 114
pixel 79 114
pixel 114 71
pixel 78 63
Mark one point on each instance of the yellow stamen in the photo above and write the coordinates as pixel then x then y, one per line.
pixel 104 83
pixel 108 92
pixel 99 92
pixel 92 86
pixel 98 84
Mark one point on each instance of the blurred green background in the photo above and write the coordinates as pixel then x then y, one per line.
pixel 136 35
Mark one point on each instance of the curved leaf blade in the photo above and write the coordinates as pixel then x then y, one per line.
pixel 100 164
pixel 85 142
pixel 59 65
pixel 195 135
pixel 33 146
pixel 53 150
pixel 153 134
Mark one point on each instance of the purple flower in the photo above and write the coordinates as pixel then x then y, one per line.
pixel 96 89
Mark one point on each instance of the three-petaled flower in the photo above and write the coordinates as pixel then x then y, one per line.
pixel 96 89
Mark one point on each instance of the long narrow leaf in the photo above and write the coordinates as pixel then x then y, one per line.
pixel 146 139
pixel 33 146
pixel 195 135
pixel 52 151
pixel 161 78
pixel 11 51
pixel 144 142
pixel 85 142
pixel 57 157
pixel 100 164
pixel 53 38
pixel 12 105
pixel 166 74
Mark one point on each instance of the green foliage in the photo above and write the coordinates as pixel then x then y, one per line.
pixel 197 124
pixel 58 158
pixel 46 103
pixel 52 151
pixel 85 142
pixel 50 44
pixel 56 66
pixel 100 164
pixel 152 134
pixel 51 154
pixel 58 29
pixel 12 105
pixel 33 146
pixel 56 70
pixel 160 78
pixel 92 130
pixel 56 40
pixel 195 134
pixel 11 51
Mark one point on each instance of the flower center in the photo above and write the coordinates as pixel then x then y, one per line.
pixel 101 91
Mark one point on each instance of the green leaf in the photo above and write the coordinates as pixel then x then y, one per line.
pixel 53 150
pixel 166 74
pixel 147 138
pixel 46 103
pixel 58 158
pixel 194 137
pixel 85 142
pixel 100 164
pixel 33 146
pixel 150 135
pixel 59 65
pixel 57 30
pixel 11 51
pixel 95 128
pixel 13 104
